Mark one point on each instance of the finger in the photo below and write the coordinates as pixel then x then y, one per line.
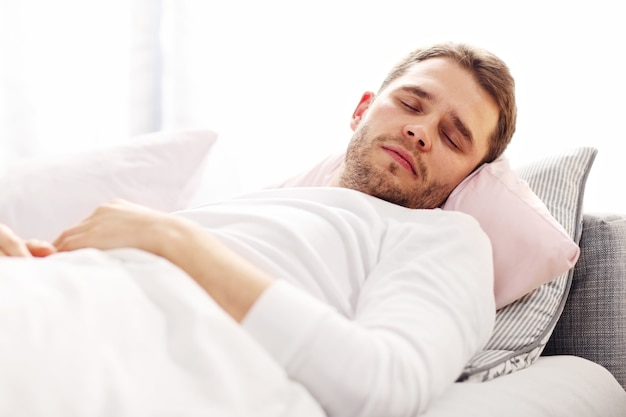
pixel 40 248
pixel 71 242
pixel 10 244
pixel 79 228
pixel 120 202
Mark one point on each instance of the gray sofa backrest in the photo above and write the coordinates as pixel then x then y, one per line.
pixel 593 323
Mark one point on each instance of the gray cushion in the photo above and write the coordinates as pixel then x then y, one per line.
pixel 593 324
pixel 523 328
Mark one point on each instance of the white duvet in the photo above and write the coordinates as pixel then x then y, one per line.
pixel 376 311
pixel 124 333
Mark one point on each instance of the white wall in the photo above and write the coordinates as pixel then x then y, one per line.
pixel 279 79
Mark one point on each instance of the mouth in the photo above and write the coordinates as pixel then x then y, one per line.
pixel 402 157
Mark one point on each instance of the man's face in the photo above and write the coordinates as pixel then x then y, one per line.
pixel 425 132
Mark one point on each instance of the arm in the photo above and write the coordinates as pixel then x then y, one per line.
pixel 230 280
pixel 425 307
pixel 418 313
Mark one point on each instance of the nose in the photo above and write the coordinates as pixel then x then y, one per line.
pixel 417 133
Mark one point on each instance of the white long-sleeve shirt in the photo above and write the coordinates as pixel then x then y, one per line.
pixel 376 307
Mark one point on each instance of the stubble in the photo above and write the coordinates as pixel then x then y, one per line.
pixel 361 174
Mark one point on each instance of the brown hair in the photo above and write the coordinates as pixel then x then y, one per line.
pixel 489 71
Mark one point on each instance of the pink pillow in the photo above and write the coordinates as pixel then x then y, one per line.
pixel 530 247
pixel 318 176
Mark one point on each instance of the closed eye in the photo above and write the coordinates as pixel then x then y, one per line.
pixel 449 139
pixel 411 107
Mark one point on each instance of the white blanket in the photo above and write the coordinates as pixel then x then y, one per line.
pixel 124 333
pixel 376 311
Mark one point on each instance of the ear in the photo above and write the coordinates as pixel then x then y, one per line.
pixel 363 105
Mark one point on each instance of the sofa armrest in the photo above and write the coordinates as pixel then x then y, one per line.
pixel 593 322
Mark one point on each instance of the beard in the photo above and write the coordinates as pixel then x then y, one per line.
pixel 362 174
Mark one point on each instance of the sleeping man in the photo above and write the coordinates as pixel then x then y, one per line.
pixel 366 293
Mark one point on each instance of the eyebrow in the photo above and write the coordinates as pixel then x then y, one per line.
pixel 456 120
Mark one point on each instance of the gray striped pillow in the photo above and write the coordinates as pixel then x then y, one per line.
pixel 523 328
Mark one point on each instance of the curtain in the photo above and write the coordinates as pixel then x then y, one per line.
pixel 64 75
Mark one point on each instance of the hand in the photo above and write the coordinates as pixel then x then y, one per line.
pixel 115 225
pixel 233 282
pixel 11 245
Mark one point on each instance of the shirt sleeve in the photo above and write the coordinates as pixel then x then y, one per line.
pixel 421 314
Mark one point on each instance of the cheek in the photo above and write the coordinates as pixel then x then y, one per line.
pixel 452 170
pixel 381 113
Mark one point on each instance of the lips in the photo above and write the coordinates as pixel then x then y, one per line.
pixel 402 157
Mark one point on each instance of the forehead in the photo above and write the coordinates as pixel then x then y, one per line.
pixel 453 89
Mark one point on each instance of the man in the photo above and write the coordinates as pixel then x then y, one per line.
pixel 372 307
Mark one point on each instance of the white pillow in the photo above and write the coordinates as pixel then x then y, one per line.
pixel 43 196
